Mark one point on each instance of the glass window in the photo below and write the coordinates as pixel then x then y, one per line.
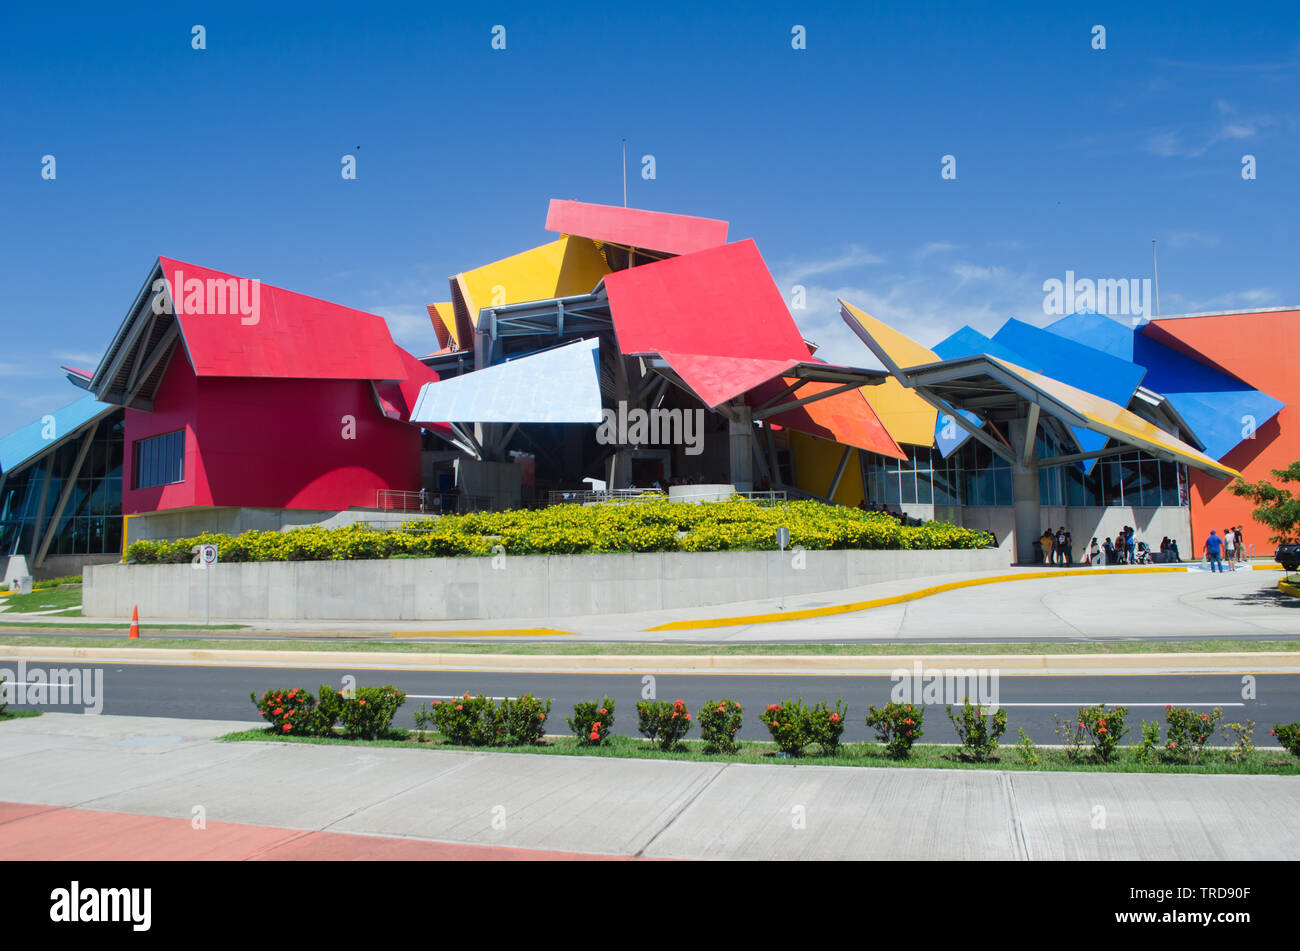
pixel 160 460
pixel 1111 480
pixel 1169 483
pixel 1149 478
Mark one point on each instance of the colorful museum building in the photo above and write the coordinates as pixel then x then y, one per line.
pixel 638 348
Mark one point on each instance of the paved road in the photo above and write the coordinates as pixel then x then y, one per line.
pixel 221 692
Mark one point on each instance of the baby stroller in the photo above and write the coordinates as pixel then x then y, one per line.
pixel 1144 556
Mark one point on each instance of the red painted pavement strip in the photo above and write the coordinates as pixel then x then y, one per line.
pixel 35 832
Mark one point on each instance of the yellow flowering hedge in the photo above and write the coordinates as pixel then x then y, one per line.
pixel 736 525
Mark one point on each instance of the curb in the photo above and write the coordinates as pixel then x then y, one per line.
pixel 842 665
pixel 1287 588
pixel 909 596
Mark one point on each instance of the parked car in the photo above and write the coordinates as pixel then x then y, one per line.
pixel 1288 556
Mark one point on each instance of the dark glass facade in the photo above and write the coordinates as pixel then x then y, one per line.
pixel 975 476
pixel 91 522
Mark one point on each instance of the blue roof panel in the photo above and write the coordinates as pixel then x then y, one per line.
pixel 34 438
pixel 561 385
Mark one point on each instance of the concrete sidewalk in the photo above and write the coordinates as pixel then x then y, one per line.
pixel 612 807
pixel 1161 600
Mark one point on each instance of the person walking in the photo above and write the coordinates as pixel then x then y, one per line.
pixel 1214 551
pixel 1230 548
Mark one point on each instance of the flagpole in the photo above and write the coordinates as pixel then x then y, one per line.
pixel 625 173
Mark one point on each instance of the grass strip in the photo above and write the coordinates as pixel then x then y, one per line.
pixel 924 756
pixel 591 648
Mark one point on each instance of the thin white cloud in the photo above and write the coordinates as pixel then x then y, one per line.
pixel 854 256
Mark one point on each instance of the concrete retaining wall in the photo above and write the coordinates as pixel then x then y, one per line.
pixel 515 586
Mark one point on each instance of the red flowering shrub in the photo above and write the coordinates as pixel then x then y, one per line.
pixel 825 724
pixel 369 712
pixel 591 722
pixel 789 724
pixel 1104 729
pixel 525 719
pixel 898 726
pixel 1187 732
pixel 719 722
pixel 663 722
pixel 469 721
pixel 479 721
pixel 1288 734
pixel 295 712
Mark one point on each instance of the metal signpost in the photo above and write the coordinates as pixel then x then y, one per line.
pixel 782 542
pixel 207 558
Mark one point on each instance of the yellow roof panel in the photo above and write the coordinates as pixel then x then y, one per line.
pixel 907 417
pixel 1115 421
pixel 885 342
pixel 447 315
pixel 561 268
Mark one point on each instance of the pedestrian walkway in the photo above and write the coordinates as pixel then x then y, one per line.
pixel 268 800
pixel 1159 600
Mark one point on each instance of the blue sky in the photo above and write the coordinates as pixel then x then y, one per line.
pixel 1066 157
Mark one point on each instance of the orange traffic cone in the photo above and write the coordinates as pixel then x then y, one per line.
pixel 135 622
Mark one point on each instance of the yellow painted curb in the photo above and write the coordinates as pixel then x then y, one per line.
pixel 739 665
pixel 900 598
pixel 491 632
pixel 1287 588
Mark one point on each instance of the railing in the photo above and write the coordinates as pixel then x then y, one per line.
pixel 430 503
pixel 593 496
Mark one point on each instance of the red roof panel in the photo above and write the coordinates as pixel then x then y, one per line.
pixel 238 327
pixel 635 227
pixel 716 316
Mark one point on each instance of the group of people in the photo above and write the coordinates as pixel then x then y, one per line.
pixel 1230 548
pixel 883 510
pixel 1057 548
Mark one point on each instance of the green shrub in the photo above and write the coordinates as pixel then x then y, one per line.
pixel 4 704
pixel 1288 734
pixel 1188 731
pixel 978 735
pixel 1149 750
pixel 1104 729
pixel 663 722
pixel 898 726
pixel 1239 737
pixel 789 725
pixel 591 722
pixel 1071 733
pixel 368 713
pixel 426 721
pixel 720 721
pixel 1026 751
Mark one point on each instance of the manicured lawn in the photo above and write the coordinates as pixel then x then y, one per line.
pixel 534 646
pixel 1270 761
pixel 63 596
